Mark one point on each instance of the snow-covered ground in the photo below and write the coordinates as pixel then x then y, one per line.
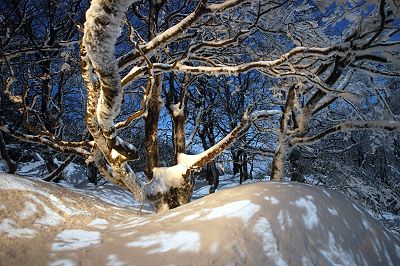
pixel 76 180
pixel 265 223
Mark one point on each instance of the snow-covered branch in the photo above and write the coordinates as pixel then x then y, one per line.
pixel 78 148
pixel 347 126
pixel 174 31
pixel 142 111
pixel 165 178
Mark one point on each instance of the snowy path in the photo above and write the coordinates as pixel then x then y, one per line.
pixel 258 224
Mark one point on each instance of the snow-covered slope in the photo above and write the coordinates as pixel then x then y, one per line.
pixel 257 224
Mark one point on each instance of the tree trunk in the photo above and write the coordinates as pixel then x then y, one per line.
pixel 48 157
pixel 92 173
pixel 151 128
pixel 278 163
pixel 178 135
pixel 12 166
pixel 277 167
pixel 244 166
pixel 295 161
pixel 236 163
pixel 212 176
pixel 154 106
pixel 48 119
pixel 175 197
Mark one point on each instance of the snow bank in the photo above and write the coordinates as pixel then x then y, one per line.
pixel 257 224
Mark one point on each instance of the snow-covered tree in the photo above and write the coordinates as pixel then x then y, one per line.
pixel 311 50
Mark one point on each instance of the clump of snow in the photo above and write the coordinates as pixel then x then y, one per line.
pixel 10 228
pixel 28 211
pixel 50 216
pixel 176 111
pixel 182 241
pixel 336 255
pixel 272 199
pixel 76 239
pixel 99 223
pixel 310 218
pixel 115 154
pixel 189 160
pixel 284 219
pixel 243 209
pixel 333 211
pixel 113 260
pixel 264 230
pixel 165 178
pixel 63 262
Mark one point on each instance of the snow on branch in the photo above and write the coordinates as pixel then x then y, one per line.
pixel 53 175
pixel 174 31
pixel 241 68
pixel 197 161
pixel 7 91
pixel 76 148
pixel 376 71
pixel 142 111
pixel 166 177
pixel 35 49
pixel 346 126
pixel 218 7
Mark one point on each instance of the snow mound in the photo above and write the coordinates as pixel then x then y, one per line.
pixel 257 224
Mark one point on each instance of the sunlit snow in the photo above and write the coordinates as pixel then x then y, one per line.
pixel 310 218
pixel 76 239
pixel 99 223
pixel 113 260
pixel 243 209
pixel 336 255
pixel 9 227
pixel 63 262
pixel 28 210
pixel 51 217
pixel 264 230
pixel 182 241
pixel 253 224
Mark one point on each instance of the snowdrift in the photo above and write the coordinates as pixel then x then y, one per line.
pixel 259 224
